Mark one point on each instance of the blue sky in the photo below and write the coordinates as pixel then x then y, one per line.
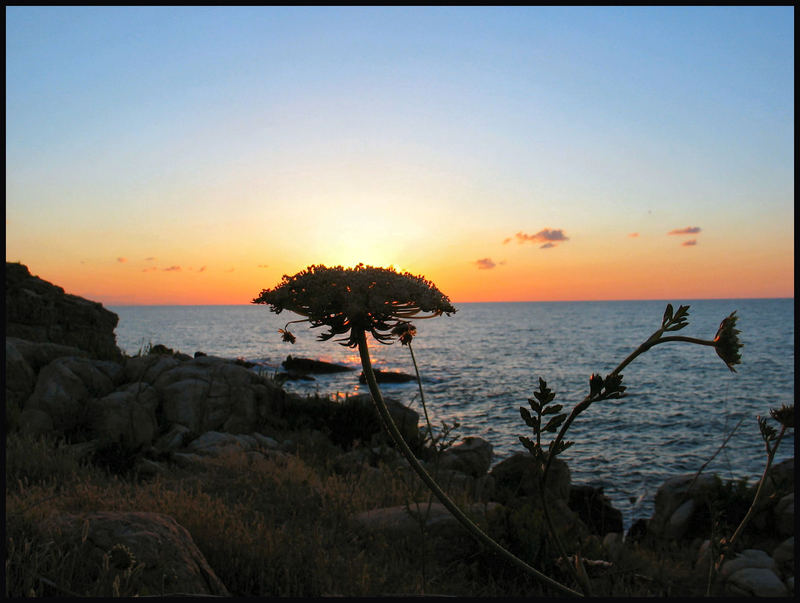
pixel 242 137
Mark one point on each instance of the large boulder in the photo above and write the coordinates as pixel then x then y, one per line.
pixel 752 573
pixel 595 510
pixel 64 387
pixel 357 419
pixel 676 501
pixel 472 456
pixel 170 561
pixel 126 416
pixel 212 394
pixel 519 475
pixel 37 310
pixel 20 381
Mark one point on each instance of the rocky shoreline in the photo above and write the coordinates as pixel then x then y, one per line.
pixel 66 377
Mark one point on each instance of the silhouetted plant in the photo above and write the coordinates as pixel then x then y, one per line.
pixel 772 439
pixel 353 301
pixel 726 344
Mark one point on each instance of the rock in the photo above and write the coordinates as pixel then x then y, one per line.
pixel 215 443
pixel 755 582
pixel 35 422
pixel 783 555
pixel 518 475
pixel 295 376
pixel 780 478
pixel 211 394
pixel 784 515
pixel 452 538
pixel 308 365
pixel 148 368
pixel 39 354
pixel 613 544
pixel 678 522
pixel 388 377
pixel 63 389
pixel 595 510
pixel 61 394
pixel 20 381
pixel 40 311
pixel 472 456
pixel 477 488
pixel 357 419
pixel 171 562
pixel 672 496
pixel 125 416
pixel 752 558
pixel 172 440
pixel 186 460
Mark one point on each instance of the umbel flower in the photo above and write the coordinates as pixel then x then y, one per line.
pixel 354 301
pixel 726 341
pixel 351 301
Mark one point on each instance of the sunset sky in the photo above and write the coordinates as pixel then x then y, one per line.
pixel 194 155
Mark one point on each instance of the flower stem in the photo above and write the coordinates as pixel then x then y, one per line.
pixel 479 534
pixel 754 505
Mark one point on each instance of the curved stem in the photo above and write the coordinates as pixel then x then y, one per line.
pixel 770 456
pixel 479 534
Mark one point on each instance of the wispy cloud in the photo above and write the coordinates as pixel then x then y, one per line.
pixel 549 236
pixel 150 259
pixel 149 269
pixel 685 231
pixel 633 235
pixel 507 240
pixel 485 264
pixel 172 269
pixel 122 260
pixel 689 243
pixel 263 265
pixel 203 269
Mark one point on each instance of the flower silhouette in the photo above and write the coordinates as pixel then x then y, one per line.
pixel 351 301
pixel 726 341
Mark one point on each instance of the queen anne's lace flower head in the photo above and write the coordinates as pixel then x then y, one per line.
pixel 727 341
pixel 351 301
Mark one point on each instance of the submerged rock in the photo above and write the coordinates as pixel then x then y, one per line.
pixel 388 377
pixel 309 365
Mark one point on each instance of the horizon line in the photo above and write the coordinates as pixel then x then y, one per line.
pixel 532 301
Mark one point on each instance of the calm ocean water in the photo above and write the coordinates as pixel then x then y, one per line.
pixel 481 364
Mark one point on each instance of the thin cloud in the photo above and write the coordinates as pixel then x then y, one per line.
pixel 230 269
pixel 552 236
pixel 172 269
pixel 689 243
pixel 150 259
pixel 263 265
pixel 149 269
pixel 203 269
pixel 685 231
pixel 633 235
pixel 507 240
pixel 122 260
pixel 485 264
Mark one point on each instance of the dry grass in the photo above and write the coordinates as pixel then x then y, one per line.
pixel 268 527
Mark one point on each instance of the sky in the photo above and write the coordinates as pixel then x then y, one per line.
pixel 195 155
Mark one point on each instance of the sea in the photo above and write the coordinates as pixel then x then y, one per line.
pixel 481 364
